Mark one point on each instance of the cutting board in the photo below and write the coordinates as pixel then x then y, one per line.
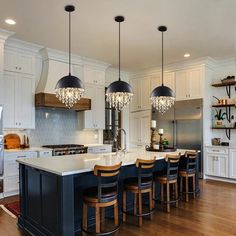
pixel 11 141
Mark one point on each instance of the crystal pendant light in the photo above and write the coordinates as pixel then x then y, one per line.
pixel 162 97
pixel 69 89
pixel 119 93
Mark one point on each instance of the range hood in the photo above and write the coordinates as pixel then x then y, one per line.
pixel 55 66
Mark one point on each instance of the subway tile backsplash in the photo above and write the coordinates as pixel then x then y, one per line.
pixel 57 126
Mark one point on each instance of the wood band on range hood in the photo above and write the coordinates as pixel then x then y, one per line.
pixel 50 100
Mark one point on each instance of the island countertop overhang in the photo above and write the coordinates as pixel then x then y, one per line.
pixel 81 163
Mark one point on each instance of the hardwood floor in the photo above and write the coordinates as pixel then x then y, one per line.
pixel 213 214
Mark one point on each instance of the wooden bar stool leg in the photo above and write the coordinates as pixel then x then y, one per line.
pixel 168 196
pixel 176 194
pixel 97 209
pixel 103 216
pixel 186 189
pixel 194 187
pixel 181 186
pixel 116 216
pixel 162 192
pixel 135 203
pixel 124 206
pixel 85 217
pixel 150 203
pixel 153 195
pixel 140 220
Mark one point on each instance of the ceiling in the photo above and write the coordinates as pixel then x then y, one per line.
pixel 201 28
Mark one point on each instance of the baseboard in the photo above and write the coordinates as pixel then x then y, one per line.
pixel 220 179
pixel 11 193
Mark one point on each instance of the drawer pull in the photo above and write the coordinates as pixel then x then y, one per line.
pixel 21 156
pixel 214 150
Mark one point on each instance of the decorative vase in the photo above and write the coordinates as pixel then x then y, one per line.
pixel 219 123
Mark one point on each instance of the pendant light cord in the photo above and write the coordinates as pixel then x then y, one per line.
pixel 69 43
pixel 119 51
pixel 162 60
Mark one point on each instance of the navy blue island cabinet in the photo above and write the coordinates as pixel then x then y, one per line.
pixel 51 204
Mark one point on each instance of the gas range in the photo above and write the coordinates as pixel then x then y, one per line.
pixel 67 149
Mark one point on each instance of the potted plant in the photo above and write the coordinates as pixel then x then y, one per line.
pixel 219 116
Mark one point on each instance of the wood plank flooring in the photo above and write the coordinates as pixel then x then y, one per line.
pixel 213 214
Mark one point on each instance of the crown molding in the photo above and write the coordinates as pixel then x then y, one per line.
pixel 5 34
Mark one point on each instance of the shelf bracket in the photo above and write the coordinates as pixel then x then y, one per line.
pixel 228 90
pixel 228 133
pixel 228 113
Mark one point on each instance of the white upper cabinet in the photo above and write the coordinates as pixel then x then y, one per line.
pixel 94 76
pixel 94 118
pixel 189 84
pixel 19 109
pixel 141 89
pixel 140 128
pixel 19 62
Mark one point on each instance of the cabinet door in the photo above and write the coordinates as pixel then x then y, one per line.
pixel 135 134
pixel 232 164
pixel 24 102
pixel 10 61
pixel 145 101
pixel 77 71
pixel 195 83
pixel 25 64
pixel 181 85
pixel 99 108
pixel 9 100
pixel 94 76
pixel 169 80
pixel 145 127
pixel 155 81
pixel 88 115
pixel 212 168
pixel 135 104
pixel 222 162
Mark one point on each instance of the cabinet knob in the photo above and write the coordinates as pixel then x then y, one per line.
pixel 19 68
pixel 16 67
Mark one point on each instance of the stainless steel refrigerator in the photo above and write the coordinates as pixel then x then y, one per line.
pixel 182 126
pixel 1 149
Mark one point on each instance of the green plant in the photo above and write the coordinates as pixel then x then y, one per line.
pixel 220 115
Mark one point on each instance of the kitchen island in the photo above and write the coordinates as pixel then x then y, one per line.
pixel 51 188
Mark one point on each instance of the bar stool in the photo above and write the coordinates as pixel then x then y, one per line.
pixel 138 186
pixel 170 177
pixel 189 171
pixel 102 196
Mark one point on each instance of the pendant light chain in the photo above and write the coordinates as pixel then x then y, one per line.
pixel 119 51
pixel 69 43
pixel 162 59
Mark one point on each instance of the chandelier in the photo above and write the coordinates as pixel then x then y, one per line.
pixel 69 89
pixel 119 93
pixel 162 97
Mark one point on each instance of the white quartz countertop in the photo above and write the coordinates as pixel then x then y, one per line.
pixel 80 163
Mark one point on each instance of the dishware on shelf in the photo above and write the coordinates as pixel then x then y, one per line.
pixel 215 141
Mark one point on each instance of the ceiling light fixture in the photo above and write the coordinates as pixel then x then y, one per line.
pixel 186 55
pixel 162 97
pixel 10 21
pixel 69 89
pixel 119 93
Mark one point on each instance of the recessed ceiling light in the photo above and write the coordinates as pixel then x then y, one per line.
pixel 10 21
pixel 186 55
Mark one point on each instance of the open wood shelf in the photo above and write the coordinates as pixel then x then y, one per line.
pixel 224 84
pixel 226 105
pixel 223 127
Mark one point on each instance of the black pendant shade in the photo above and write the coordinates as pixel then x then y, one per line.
pixel 162 91
pixel 69 81
pixel 119 87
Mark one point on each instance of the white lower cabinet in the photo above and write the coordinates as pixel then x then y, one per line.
pixel 140 128
pixel 11 171
pixel 232 163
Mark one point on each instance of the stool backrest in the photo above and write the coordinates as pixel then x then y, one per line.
pixel 172 166
pixel 191 158
pixel 145 170
pixel 108 177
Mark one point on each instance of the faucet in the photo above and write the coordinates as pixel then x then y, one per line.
pixel 116 140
